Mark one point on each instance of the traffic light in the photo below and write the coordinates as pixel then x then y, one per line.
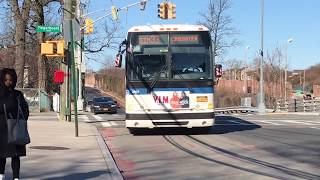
pixel 114 13
pixel 89 26
pixel 163 10
pixel 171 11
pixel 53 48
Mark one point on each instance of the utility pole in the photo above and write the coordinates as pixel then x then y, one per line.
pixel 261 107
pixel 78 60
pixel 65 104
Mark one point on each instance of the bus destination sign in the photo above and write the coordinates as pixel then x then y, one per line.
pixel 149 40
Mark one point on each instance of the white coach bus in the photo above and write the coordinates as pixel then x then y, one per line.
pixel 170 76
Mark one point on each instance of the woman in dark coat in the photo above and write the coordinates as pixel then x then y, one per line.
pixel 9 97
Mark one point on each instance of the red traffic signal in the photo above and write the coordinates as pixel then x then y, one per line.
pixel 58 76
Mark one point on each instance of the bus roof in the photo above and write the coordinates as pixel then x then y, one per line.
pixel 168 27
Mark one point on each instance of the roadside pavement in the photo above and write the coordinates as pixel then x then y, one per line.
pixel 55 153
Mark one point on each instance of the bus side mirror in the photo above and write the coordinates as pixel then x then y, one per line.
pixel 118 61
pixel 218 70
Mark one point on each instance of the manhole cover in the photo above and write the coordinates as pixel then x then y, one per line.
pixel 54 148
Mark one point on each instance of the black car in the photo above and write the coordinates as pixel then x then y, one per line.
pixel 104 104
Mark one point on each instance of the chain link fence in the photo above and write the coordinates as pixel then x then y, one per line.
pixel 38 99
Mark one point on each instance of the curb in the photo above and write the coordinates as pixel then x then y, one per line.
pixel 295 113
pixel 110 162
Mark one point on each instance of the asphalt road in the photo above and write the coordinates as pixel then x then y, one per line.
pixel 237 147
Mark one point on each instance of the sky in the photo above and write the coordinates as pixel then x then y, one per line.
pixel 283 19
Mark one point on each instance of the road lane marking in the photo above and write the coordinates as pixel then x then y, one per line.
pixel 98 118
pixel 315 127
pixel 113 123
pixel 312 122
pixel 287 121
pixel 106 124
pixel 298 122
pixel 273 123
pixel 85 118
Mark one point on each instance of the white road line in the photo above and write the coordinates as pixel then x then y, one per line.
pixel 106 124
pixel 85 118
pixel 98 118
pixel 297 122
pixel 268 122
pixel 312 122
pixel 113 123
pixel 315 127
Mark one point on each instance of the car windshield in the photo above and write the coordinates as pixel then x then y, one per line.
pixel 103 99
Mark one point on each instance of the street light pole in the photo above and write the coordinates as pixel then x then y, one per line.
pixel 246 70
pixel 285 72
pixel 261 107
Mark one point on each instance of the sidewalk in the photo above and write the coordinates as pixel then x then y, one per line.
pixel 55 153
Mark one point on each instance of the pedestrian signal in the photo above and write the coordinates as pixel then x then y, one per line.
pixel 53 48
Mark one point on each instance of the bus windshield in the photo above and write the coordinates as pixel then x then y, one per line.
pixel 169 56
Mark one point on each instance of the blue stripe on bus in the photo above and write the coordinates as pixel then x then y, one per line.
pixel 192 90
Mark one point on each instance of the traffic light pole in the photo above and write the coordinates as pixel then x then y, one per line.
pixel 74 80
pixel 65 105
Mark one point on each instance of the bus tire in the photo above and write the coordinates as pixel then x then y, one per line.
pixel 205 130
pixel 133 131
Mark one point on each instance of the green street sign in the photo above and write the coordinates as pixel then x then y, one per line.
pixel 48 29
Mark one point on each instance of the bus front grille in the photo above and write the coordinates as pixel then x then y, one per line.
pixel 181 123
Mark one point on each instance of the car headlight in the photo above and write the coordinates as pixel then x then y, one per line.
pixel 113 105
pixel 96 106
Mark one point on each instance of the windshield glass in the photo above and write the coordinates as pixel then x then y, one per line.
pixel 102 99
pixel 169 55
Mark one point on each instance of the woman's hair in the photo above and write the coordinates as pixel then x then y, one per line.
pixel 13 75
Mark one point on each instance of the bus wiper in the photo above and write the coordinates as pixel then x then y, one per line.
pixel 154 82
pixel 181 77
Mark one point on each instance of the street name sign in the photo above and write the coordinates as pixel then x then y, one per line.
pixel 48 29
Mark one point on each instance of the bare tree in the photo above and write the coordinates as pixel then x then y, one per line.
pixel 21 17
pixel 219 24
pixel 97 43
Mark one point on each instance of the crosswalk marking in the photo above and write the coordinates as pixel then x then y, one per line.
pixel 297 122
pixel 312 122
pixel 273 123
pixel 85 118
pixel 98 118
pixel 106 124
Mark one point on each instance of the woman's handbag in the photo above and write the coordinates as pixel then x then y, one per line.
pixel 17 128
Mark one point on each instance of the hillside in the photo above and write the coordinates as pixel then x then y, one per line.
pixel 312 77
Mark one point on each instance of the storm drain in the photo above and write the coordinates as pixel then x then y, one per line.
pixel 51 148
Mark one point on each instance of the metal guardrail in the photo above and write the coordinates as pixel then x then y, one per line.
pixel 235 109
pixel 299 105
